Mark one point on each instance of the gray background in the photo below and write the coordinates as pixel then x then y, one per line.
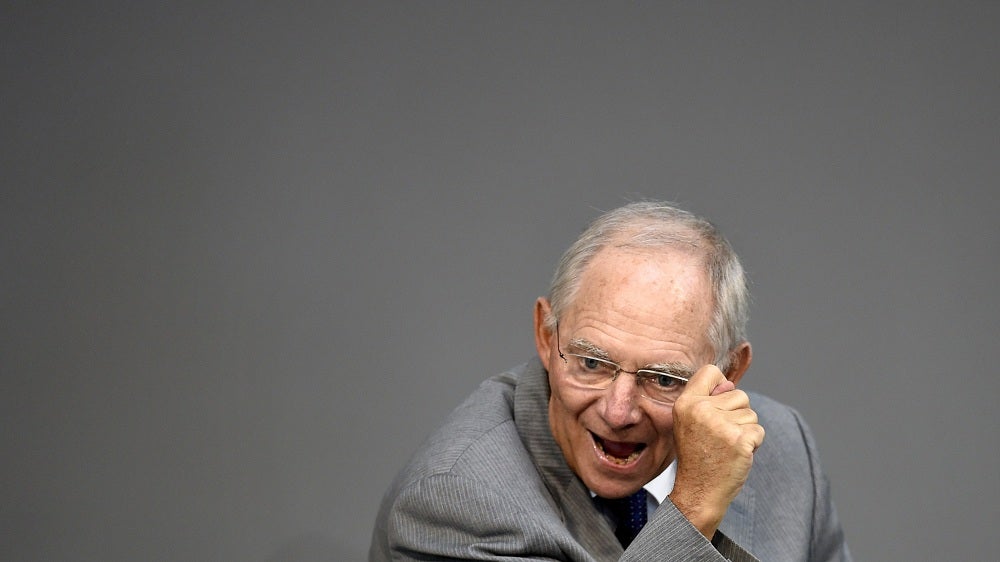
pixel 253 254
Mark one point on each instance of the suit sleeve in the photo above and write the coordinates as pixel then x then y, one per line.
pixel 449 517
pixel 670 536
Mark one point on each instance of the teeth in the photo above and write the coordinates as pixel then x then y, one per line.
pixel 618 460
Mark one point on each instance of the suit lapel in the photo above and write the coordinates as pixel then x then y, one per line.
pixel 570 498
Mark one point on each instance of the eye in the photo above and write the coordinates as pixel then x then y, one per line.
pixel 591 364
pixel 664 380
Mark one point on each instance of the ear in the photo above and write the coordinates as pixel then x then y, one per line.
pixel 543 335
pixel 741 358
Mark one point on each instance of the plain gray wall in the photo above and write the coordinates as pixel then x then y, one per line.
pixel 253 255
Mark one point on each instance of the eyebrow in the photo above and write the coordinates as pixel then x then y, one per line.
pixel 672 368
pixel 587 347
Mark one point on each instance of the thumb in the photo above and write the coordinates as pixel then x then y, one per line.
pixel 706 380
pixel 724 387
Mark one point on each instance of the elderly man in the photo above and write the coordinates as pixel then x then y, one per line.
pixel 626 439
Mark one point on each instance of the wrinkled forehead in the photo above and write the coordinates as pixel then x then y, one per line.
pixel 652 286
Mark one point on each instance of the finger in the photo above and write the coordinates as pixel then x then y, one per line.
pixel 732 400
pixel 754 434
pixel 742 416
pixel 723 387
pixel 705 380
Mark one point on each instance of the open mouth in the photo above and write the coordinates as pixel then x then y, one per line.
pixel 618 452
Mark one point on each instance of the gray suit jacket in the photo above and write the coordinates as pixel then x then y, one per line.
pixel 492 484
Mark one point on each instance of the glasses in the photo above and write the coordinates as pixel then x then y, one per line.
pixel 594 373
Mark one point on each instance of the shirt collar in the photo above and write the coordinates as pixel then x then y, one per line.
pixel 661 486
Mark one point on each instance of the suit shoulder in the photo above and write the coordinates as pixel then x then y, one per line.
pixel 774 414
pixel 788 440
pixel 472 433
pixel 477 455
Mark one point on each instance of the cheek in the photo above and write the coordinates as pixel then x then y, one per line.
pixel 566 406
pixel 664 425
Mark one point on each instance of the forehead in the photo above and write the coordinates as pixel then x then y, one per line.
pixel 653 294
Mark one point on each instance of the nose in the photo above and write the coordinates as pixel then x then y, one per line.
pixel 620 401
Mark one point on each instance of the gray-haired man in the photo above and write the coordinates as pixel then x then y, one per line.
pixel 626 438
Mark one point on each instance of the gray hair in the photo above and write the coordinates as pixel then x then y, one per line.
pixel 652 224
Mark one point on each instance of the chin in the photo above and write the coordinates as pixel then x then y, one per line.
pixel 612 488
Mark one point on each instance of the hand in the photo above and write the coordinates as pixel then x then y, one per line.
pixel 715 436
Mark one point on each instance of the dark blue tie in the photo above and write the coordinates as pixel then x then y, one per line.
pixel 630 514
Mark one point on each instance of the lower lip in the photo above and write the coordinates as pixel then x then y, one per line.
pixel 606 461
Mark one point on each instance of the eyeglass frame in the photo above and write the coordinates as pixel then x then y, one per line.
pixel 639 374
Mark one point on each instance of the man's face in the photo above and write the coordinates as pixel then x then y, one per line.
pixel 640 309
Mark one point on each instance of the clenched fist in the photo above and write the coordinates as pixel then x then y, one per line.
pixel 715 436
